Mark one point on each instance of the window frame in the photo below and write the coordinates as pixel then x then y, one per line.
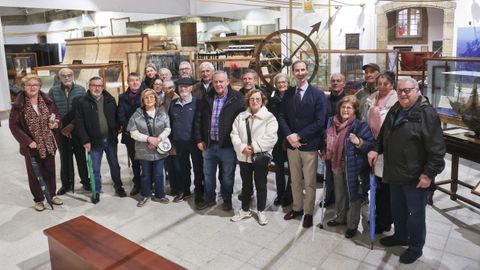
pixel 410 13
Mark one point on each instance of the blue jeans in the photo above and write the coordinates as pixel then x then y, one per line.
pixel 110 150
pixel 226 159
pixel 155 169
pixel 408 211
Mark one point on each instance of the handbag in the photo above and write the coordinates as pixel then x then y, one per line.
pixel 261 158
pixel 165 145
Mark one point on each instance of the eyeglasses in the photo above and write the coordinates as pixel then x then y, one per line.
pixel 32 85
pixel 96 85
pixel 282 82
pixel 149 97
pixel 404 90
pixel 184 69
pixel 256 99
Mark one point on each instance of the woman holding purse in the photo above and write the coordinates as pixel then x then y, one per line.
pixel 254 134
pixel 149 126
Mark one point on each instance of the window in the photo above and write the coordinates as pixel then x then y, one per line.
pixel 409 23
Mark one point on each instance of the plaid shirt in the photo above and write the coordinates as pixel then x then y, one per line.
pixel 217 108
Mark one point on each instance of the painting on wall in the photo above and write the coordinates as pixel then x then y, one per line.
pixel 468 45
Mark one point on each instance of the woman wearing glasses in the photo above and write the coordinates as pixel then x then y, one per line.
pixel 382 101
pixel 254 131
pixel 33 121
pixel 284 190
pixel 148 126
pixel 348 141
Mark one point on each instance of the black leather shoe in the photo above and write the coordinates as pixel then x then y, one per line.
pixel 121 193
pixel 391 241
pixel 96 199
pixel 135 190
pixel 293 214
pixel 63 190
pixel 410 256
pixel 178 198
pixel 204 205
pixel 227 205
pixel 350 233
pixel 333 223
pixel 307 221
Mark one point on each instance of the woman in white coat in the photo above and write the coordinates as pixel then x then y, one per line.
pixel 382 101
pixel 263 127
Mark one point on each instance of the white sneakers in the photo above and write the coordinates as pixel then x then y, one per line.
pixel 262 218
pixel 241 215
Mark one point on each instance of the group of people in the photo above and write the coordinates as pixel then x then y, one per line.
pixel 394 134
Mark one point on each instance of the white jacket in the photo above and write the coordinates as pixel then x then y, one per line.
pixel 263 127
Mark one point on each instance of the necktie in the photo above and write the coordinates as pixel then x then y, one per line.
pixel 298 98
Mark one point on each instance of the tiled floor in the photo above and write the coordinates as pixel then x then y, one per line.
pixel 208 240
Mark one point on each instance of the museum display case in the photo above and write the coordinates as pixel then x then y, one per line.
pixel 451 85
pixel 112 73
pixel 136 61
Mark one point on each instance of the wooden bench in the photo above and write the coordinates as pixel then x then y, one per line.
pixel 81 243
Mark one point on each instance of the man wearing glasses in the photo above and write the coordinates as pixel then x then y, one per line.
pixel 63 96
pixel 302 120
pixel 411 140
pixel 97 128
pixel 184 69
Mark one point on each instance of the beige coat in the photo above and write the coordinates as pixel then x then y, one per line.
pixel 263 128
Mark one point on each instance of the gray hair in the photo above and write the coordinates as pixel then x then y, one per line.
pixel 64 70
pixel 249 70
pixel 221 72
pixel 337 74
pixel 410 80
pixel 206 65
pixel 185 63
pixel 168 82
pixel 280 76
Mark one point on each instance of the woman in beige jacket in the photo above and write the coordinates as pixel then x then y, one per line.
pixel 263 128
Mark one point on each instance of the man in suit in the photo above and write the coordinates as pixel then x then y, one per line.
pixel 302 120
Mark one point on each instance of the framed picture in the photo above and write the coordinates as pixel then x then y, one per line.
pixel 476 189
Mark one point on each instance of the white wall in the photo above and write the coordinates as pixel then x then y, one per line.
pixel 5 93
pixel 467 14
pixel 435 25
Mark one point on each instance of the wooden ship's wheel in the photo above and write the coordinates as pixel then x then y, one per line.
pixel 279 50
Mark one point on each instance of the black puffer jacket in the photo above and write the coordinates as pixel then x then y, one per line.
pixel 234 105
pixel 87 126
pixel 412 147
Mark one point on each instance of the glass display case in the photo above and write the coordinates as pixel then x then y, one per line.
pixel 451 85
pixel 136 61
pixel 349 63
pixel 18 66
pixel 112 73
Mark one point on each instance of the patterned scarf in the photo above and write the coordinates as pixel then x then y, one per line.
pixel 375 119
pixel 37 124
pixel 335 137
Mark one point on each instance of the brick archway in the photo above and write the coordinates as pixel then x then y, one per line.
pixel 448 19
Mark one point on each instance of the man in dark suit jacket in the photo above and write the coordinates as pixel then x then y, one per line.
pixel 302 120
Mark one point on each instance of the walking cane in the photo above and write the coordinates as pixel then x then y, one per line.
pixel 90 173
pixel 41 181
pixel 373 186
pixel 324 193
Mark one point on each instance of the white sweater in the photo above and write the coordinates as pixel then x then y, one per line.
pixel 263 127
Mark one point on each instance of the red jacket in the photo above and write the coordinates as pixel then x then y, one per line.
pixel 17 123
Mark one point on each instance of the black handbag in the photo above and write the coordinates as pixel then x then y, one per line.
pixel 260 158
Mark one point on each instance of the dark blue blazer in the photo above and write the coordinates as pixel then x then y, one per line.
pixel 308 121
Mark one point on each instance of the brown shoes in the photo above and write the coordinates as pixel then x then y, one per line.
pixel 293 214
pixel 307 221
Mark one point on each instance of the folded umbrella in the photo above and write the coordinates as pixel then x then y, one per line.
pixel 90 174
pixel 373 186
pixel 41 181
